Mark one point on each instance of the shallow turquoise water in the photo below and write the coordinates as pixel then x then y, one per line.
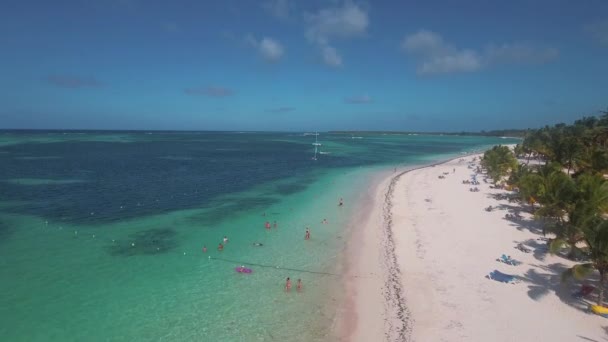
pixel 111 251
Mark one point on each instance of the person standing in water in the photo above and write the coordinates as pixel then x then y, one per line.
pixel 220 247
pixel 204 249
pixel 267 225
pixel 299 286
pixel 275 224
pixel 288 285
pixel 307 236
pixel 225 240
pixel 341 202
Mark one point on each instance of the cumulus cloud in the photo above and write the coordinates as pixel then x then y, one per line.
pixel 599 31
pixel 209 91
pixel 360 99
pixel 73 82
pixel 329 24
pixel 519 53
pixel 270 49
pixel 281 110
pixel 280 9
pixel 436 56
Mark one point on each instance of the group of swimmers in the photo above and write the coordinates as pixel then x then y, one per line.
pixel 288 285
pixel 220 247
pixel 267 225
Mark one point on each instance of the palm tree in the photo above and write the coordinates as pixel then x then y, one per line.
pixel 596 239
pixel 589 203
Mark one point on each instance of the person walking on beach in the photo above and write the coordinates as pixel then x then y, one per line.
pixel 299 286
pixel 288 285
pixel 307 236
pixel 204 249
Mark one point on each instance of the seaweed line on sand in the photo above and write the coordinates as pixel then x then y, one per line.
pixel 398 318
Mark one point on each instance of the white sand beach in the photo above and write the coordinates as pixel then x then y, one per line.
pixel 422 257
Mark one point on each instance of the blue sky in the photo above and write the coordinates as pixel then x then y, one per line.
pixel 301 65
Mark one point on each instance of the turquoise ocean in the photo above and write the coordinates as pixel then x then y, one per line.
pixel 101 233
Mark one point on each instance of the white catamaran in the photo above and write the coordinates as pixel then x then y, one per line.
pixel 316 144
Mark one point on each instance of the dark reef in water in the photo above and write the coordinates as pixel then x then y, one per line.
pixel 146 242
pixel 223 209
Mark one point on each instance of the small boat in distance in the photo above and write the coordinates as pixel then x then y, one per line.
pixel 316 144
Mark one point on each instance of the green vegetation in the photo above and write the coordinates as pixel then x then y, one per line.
pixel 514 133
pixel 499 162
pixel 569 185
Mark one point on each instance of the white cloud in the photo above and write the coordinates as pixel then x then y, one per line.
pixel 270 49
pixel 458 61
pixel 424 42
pixel 519 53
pixel 599 31
pixel 435 56
pixel 329 24
pixel 280 9
pixel 340 22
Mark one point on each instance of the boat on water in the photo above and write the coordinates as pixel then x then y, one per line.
pixel 316 144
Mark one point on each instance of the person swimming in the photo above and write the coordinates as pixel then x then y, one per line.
pixel 341 202
pixel 288 284
pixel 275 224
pixel 258 244
pixel 225 240
pixel 220 247
pixel 267 225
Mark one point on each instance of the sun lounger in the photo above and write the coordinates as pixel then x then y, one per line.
pixel 599 310
pixel 584 291
pixel 502 277
pixel 522 248
pixel 508 260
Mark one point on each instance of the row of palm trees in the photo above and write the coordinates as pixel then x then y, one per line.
pixel 567 188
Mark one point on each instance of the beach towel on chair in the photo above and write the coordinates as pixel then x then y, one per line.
pixel 508 260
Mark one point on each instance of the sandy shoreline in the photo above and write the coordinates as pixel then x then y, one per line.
pixel 419 257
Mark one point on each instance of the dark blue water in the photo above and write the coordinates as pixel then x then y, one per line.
pixel 97 180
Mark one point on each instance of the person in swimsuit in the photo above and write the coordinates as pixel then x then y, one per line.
pixel 267 225
pixel 341 202
pixel 225 240
pixel 204 249
pixel 299 286
pixel 288 284
pixel 258 244
pixel 220 247
pixel 307 236
pixel 275 224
